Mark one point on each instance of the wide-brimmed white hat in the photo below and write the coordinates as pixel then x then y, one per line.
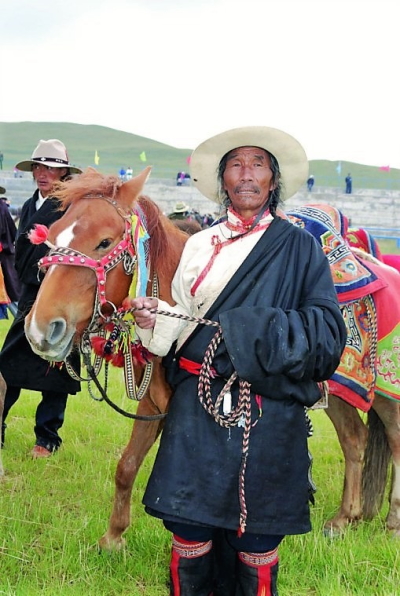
pixel 2 190
pixel 52 153
pixel 181 207
pixel 292 159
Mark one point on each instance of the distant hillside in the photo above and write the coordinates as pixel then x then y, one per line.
pixel 118 149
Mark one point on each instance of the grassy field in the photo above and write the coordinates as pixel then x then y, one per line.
pixel 118 148
pixel 52 513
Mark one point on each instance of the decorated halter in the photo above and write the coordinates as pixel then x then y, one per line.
pixel 115 342
pixel 131 250
pixel 64 255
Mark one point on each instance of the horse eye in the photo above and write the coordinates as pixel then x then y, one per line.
pixel 104 244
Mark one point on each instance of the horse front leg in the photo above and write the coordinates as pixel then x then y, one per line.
pixel 389 412
pixel 144 435
pixel 352 434
pixel 3 389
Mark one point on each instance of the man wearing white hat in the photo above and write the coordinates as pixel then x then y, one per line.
pixel 21 368
pixel 233 455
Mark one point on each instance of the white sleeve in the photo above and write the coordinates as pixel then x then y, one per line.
pixel 167 329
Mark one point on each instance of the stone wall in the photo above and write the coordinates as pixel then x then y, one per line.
pixel 366 208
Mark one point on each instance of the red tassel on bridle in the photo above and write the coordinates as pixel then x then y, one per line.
pixel 39 235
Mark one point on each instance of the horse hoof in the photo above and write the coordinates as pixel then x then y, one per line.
pixel 333 533
pixel 111 545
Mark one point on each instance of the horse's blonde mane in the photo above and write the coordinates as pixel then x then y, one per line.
pixel 90 182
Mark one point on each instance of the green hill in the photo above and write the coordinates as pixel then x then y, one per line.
pixel 118 149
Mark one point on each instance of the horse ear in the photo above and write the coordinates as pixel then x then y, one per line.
pixel 134 187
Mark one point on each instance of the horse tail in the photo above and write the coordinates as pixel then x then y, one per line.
pixel 376 464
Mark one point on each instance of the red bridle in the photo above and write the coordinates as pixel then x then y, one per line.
pixel 124 251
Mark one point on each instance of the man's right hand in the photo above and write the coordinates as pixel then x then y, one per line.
pixel 145 316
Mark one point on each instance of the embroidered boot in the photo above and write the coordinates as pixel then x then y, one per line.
pixel 191 568
pixel 257 574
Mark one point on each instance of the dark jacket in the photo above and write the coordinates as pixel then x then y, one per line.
pixel 8 232
pixel 19 365
pixel 283 331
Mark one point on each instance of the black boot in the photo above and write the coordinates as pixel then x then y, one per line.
pixel 257 573
pixel 191 568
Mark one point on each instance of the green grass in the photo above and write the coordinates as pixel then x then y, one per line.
pixel 118 148
pixel 52 513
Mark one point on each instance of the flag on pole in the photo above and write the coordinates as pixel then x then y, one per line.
pixel 339 168
pixel 385 168
pixel 96 158
pixel 142 156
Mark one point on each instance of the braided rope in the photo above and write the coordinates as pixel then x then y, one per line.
pixel 239 416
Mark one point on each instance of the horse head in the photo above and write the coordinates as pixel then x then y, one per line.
pixel 88 270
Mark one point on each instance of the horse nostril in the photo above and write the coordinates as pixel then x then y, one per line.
pixel 56 331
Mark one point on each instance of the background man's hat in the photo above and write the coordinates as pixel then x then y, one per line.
pixel 181 207
pixel 50 153
pixel 292 159
pixel 2 190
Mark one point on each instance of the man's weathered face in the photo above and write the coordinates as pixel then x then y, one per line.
pixel 46 176
pixel 248 179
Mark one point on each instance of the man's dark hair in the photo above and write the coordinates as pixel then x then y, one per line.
pixel 275 195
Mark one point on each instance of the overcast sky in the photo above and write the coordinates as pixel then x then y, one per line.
pixel 179 71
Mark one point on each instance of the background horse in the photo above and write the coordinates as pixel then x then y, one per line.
pixel 94 226
pixel 368 377
pixel 98 233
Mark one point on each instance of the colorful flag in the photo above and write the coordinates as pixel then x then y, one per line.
pixel 96 158
pixel 189 159
pixel 339 168
pixel 142 156
pixel 385 168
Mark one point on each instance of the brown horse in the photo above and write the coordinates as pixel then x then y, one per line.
pixel 361 381
pixel 97 224
pixel 92 229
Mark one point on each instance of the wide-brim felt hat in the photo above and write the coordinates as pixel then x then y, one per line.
pixel 181 208
pixel 292 159
pixel 52 153
pixel 2 190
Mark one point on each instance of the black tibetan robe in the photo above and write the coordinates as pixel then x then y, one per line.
pixel 282 332
pixel 19 365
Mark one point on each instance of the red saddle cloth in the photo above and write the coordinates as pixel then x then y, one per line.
pixel 371 359
pixel 368 295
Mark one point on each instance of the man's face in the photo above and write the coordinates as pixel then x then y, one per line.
pixel 46 176
pixel 248 179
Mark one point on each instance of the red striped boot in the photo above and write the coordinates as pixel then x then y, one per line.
pixel 257 574
pixel 191 568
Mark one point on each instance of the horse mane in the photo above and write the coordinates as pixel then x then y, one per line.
pixel 166 240
pixel 89 183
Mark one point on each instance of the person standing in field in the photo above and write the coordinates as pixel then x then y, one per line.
pixel 20 366
pixel 8 232
pixel 233 456
pixel 310 183
pixel 349 184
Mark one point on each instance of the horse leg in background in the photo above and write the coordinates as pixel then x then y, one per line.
pixel 380 448
pixel 352 434
pixel 3 388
